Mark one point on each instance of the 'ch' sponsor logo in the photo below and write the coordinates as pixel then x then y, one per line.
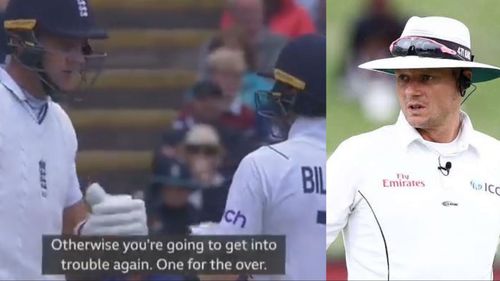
pixel 235 217
pixel 402 180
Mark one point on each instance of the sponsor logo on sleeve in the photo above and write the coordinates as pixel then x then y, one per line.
pixel 235 217
pixel 484 186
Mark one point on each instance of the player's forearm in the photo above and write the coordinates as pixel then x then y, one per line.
pixel 73 216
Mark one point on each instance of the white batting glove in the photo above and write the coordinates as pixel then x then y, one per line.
pixel 204 228
pixel 113 214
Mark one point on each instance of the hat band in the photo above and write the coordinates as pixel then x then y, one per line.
pixel 20 24
pixel 289 79
pixel 430 47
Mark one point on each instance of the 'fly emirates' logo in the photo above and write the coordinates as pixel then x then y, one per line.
pixel 402 180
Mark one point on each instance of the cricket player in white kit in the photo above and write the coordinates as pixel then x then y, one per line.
pixel 420 199
pixel 279 189
pixel 39 189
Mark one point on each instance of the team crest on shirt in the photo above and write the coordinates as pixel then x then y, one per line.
pixel 402 180
pixel 42 167
pixel 82 8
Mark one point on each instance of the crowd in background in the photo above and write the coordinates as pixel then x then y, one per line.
pixel 219 123
pixel 377 27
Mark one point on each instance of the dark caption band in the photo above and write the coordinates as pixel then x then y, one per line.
pixel 263 254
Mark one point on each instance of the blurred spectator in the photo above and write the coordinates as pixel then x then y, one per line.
pixel 235 39
pixel 372 33
pixel 206 106
pixel 169 148
pixel 170 143
pixel 248 20
pixel 171 212
pixel 321 17
pixel 284 17
pixel 317 11
pixel 174 213
pixel 203 152
pixel 226 68
pixel 287 18
pixel 314 8
pixel 252 82
pixel 3 5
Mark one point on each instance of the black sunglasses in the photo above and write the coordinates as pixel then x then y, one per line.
pixel 425 47
pixel 209 150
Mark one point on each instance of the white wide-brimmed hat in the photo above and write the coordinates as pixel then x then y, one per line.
pixel 444 30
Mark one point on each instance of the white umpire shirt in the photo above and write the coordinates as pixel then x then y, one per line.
pixel 37 179
pixel 280 190
pixel 402 217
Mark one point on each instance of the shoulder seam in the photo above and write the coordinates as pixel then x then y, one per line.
pixel 279 152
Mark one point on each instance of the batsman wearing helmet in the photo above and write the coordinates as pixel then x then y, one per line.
pixel 39 189
pixel 279 189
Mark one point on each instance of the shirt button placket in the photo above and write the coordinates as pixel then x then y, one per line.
pixel 22 198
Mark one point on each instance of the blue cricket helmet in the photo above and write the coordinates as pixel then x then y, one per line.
pixel 26 19
pixel 301 65
pixel 66 18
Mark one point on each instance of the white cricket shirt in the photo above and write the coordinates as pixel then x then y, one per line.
pixel 280 190
pixel 402 217
pixel 37 179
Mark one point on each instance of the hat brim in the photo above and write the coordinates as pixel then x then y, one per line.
pixel 480 72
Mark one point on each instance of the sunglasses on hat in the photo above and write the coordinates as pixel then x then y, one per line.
pixel 209 150
pixel 425 47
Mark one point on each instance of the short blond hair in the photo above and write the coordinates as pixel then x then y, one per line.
pixel 202 134
pixel 227 59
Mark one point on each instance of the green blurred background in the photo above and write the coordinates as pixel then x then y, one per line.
pixel 345 118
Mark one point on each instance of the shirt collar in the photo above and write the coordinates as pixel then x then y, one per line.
pixel 307 127
pixel 409 135
pixel 11 85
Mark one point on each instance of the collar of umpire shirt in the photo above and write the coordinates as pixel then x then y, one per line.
pixel 11 85
pixel 310 128
pixel 466 139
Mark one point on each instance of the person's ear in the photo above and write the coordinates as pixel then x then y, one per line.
pixel 467 73
pixel 464 80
